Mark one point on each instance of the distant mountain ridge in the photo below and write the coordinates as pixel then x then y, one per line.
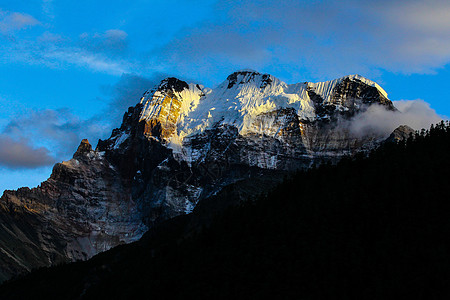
pixel 180 145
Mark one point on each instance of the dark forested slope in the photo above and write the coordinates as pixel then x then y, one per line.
pixel 376 227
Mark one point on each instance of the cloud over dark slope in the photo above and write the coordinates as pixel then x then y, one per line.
pixel 415 113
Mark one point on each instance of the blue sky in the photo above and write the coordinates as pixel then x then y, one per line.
pixel 69 69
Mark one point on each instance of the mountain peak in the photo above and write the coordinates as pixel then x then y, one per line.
pixel 246 76
pixel 172 83
pixel 84 148
pixel 357 77
pixel 244 72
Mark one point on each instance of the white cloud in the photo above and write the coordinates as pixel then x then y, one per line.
pixel 82 58
pixel 48 37
pixel 115 34
pixel 57 51
pixel 112 41
pixel 417 114
pixel 13 21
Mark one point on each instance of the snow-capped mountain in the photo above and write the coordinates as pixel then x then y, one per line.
pixel 185 110
pixel 180 146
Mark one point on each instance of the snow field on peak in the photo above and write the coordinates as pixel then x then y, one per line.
pixel 240 104
pixel 238 100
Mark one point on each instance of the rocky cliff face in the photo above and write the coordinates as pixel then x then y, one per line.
pixel 182 144
pixel 82 209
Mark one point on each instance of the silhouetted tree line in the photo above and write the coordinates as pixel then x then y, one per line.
pixel 366 228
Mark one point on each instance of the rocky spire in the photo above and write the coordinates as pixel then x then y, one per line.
pixel 83 149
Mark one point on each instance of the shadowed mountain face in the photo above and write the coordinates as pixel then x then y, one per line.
pixel 181 145
pixel 371 227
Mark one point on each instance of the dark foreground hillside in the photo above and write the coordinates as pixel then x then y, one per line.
pixel 366 229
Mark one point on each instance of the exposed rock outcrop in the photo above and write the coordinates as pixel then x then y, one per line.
pixel 401 133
